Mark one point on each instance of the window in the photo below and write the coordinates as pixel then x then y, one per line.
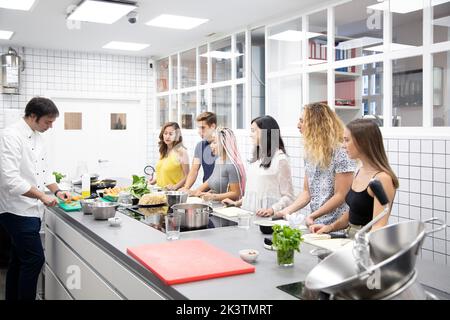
pixel 407 24
pixel 285 99
pixel 174 108
pixel 162 71
pixel 359 29
pixel 441 21
pixel 221 105
pixel 441 91
pixel 407 105
pixel 188 68
pixel 174 60
pixel 163 106
pixel 285 45
pixel 318 88
pixel 240 61
pixel 203 64
pixel 240 106
pixel 221 56
pixel 317 38
pixel 188 109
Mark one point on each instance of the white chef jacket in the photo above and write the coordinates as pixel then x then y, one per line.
pixel 23 164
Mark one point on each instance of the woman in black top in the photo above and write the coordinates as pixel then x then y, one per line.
pixel 363 141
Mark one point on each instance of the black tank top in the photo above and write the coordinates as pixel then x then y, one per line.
pixel 360 206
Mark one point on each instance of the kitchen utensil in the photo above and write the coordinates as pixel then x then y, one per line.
pixel 183 261
pixel 176 197
pixel 266 228
pixel 393 250
pixel 86 205
pixel 193 216
pixel 104 210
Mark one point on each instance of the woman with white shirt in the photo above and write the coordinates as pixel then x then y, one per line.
pixel 269 185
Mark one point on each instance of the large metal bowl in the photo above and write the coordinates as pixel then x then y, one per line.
pixel 86 205
pixel 193 215
pixel 176 197
pixel 104 210
pixel 393 250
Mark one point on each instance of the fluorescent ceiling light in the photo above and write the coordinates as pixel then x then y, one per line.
pixel 444 22
pixel 128 46
pixel 221 54
pixel 394 47
pixel 100 11
pixel 24 5
pixel 5 35
pixel 294 35
pixel 403 6
pixel 176 22
pixel 358 43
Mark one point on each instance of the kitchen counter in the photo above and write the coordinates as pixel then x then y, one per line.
pixel 260 285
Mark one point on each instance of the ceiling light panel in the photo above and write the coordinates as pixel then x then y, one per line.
pixel 126 46
pixel 176 22
pixel 100 11
pixel 5 35
pixel 24 5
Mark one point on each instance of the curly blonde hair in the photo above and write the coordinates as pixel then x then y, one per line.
pixel 323 132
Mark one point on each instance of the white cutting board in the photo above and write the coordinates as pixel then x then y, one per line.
pixel 194 200
pixel 330 244
pixel 232 211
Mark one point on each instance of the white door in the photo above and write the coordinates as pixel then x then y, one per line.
pixel 108 152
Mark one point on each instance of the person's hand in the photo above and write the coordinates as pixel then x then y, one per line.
pixel 184 189
pixel 171 187
pixel 228 202
pixel 282 213
pixel 152 181
pixel 49 201
pixel 309 221
pixel 194 193
pixel 320 228
pixel 265 212
pixel 208 196
pixel 63 195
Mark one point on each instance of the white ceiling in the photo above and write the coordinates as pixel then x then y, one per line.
pixel 45 26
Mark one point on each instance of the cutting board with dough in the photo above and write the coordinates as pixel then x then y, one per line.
pixel 231 211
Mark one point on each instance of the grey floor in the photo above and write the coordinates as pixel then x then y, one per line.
pixel 2 283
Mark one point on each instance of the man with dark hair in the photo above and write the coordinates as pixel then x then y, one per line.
pixel 23 178
pixel 203 157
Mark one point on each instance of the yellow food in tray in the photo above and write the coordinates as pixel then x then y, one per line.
pixel 153 199
pixel 114 192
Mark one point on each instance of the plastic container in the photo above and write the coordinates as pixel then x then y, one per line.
pixel 85 185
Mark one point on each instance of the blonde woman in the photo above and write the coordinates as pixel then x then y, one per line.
pixel 173 165
pixel 363 141
pixel 328 169
pixel 228 177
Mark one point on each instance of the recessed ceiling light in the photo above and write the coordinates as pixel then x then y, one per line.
pixel 176 22
pixel 221 54
pixel 358 43
pixel 5 35
pixel 24 5
pixel 294 35
pixel 443 22
pixel 100 11
pixel 127 46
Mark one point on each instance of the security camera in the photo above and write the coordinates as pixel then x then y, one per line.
pixel 132 17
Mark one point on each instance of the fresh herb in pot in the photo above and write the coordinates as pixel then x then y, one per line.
pixel 286 240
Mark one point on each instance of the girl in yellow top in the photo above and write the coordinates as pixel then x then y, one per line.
pixel 173 165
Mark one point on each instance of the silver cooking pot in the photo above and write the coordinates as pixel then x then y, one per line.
pixel 393 250
pixel 175 197
pixel 193 215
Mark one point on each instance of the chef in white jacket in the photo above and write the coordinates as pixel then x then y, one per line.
pixel 24 175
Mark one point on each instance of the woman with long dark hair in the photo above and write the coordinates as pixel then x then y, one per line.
pixel 173 165
pixel 269 185
pixel 363 141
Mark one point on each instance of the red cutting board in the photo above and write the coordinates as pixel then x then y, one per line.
pixel 183 261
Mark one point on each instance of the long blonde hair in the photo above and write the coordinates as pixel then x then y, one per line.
pixel 323 132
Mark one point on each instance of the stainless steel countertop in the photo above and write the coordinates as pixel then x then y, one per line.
pixel 260 285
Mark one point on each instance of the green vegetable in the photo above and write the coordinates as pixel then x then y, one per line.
pixel 139 187
pixel 286 238
pixel 58 176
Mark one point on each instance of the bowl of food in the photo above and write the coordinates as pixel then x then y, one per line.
pixel 249 255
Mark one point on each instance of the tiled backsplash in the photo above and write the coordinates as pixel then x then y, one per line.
pixel 79 72
pixel 422 166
